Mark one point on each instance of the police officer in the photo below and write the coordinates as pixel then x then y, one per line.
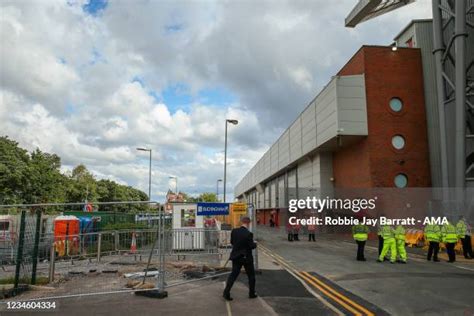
pixel 241 255
pixel 389 243
pixel 433 235
pixel 464 233
pixel 450 238
pixel 379 235
pixel 400 242
pixel 360 233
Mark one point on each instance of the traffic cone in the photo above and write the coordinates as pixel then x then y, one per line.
pixel 133 246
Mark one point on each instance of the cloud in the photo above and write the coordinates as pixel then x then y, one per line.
pixel 89 84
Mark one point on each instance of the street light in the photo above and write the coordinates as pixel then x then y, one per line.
pixel 176 186
pixel 149 171
pixel 217 189
pixel 233 122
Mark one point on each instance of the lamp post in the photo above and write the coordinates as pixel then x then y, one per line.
pixel 217 189
pixel 149 171
pixel 233 122
pixel 176 184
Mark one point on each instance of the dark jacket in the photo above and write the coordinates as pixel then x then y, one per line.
pixel 242 243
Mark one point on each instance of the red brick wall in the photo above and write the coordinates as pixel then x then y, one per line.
pixel 373 162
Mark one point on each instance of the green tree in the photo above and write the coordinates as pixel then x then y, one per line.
pixel 14 172
pixel 83 185
pixel 46 181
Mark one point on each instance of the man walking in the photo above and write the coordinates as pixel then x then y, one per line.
pixel 241 255
pixel 360 233
pixel 433 235
pixel 389 243
pixel 464 233
pixel 450 238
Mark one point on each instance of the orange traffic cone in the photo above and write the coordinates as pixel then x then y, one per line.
pixel 133 246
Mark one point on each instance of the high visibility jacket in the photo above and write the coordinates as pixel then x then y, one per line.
pixel 360 232
pixel 399 233
pixel 433 233
pixel 449 234
pixel 387 232
pixel 461 229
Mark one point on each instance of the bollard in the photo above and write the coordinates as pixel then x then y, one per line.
pixel 52 259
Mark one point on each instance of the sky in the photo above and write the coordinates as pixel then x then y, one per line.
pixel 93 80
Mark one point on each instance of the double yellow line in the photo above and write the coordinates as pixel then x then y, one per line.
pixel 324 288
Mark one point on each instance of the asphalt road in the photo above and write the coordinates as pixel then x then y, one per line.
pixel 417 288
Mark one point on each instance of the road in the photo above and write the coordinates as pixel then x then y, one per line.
pixel 354 287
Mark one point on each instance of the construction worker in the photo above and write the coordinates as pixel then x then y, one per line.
pixel 360 233
pixel 433 235
pixel 450 238
pixel 388 244
pixel 400 241
pixel 464 233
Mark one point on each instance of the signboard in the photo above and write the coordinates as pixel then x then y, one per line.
pixel 239 208
pixel 209 209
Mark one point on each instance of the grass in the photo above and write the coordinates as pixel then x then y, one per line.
pixel 40 280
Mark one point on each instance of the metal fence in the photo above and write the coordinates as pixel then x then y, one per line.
pixel 105 261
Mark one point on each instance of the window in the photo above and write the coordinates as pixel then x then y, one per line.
pixel 401 180
pixel 188 218
pixel 398 142
pixel 4 225
pixel 396 104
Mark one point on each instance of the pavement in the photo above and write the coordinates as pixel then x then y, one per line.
pixel 417 288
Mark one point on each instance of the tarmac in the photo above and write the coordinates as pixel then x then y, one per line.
pixel 420 287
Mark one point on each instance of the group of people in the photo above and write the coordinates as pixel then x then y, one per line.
pixel 392 240
pixel 294 230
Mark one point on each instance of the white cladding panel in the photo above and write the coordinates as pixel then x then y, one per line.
pixel 274 158
pixel 281 192
pixel 284 150
pixel 305 174
pixel 295 140
pixel 351 106
pixel 308 128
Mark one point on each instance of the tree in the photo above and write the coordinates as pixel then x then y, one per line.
pixel 37 178
pixel 46 181
pixel 14 172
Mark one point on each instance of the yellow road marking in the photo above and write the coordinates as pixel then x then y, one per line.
pixel 323 287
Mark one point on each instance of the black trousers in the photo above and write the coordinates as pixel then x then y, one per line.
pixel 237 264
pixel 380 244
pixel 450 251
pixel 295 237
pixel 433 250
pixel 467 247
pixel 312 237
pixel 360 249
pixel 290 237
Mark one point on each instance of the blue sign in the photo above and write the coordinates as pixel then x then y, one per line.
pixel 209 209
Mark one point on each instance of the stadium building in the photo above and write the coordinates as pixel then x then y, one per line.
pixel 374 125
